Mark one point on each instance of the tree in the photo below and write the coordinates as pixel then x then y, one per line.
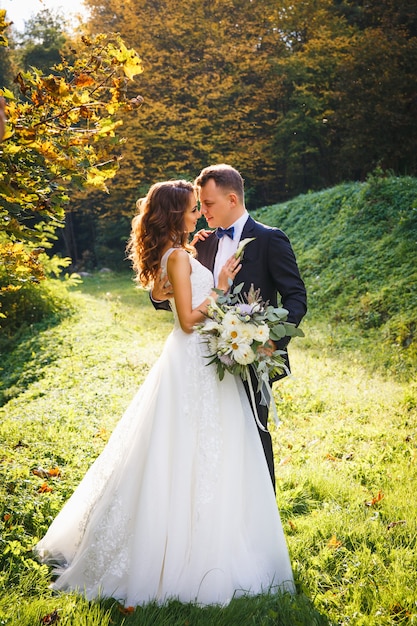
pixel 348 95
pixel 385 14
pixel 375 105
pixel 61 132
pixel 42 41
pixel 207 69
pixel 5 60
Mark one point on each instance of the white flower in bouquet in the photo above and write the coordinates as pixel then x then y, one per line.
pixel 243 353
pixel 231 334
pixel 248 332
pixel 230 321
pixel 213 344
pixel 261 333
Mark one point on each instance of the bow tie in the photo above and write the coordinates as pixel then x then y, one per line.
pixel 221 232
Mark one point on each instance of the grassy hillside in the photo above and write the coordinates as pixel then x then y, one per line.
pixel 356 246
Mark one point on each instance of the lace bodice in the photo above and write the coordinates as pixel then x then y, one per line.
pixel 201 282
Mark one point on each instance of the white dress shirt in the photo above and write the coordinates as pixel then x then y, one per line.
pixel 228 246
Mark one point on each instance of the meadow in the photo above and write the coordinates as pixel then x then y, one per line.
pixel 345 455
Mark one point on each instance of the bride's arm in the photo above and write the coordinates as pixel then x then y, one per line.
pixel 179 274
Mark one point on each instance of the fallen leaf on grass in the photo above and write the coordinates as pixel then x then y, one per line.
pixel 399 611
pixel 103 433
pixel 55 471
pixel 39 471
pixel 43 473
pixel 330 457
pixel 285 461
pixel 393 524
pixel 51 618
pixel 375 500
pixel 334 543
pixel 292 525
pixel 126 610
pixel 44 488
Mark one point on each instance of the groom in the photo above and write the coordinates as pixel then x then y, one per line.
pixel 268 262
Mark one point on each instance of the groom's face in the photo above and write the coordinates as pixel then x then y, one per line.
pixel 217 205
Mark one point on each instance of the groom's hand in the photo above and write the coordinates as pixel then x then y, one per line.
pixel 162 288
pixel 268 348
pixel 201 235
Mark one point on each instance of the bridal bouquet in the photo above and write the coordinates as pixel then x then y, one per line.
pixel 240 331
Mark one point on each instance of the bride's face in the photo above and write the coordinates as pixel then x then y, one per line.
pixel 191 214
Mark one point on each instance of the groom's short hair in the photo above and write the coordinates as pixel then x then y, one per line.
pixel 224 176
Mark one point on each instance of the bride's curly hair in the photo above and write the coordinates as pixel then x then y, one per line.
pixel 160 221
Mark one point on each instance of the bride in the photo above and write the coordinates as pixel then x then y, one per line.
pixel 179 504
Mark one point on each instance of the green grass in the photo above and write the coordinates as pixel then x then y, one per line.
pixel 346 454
pixel 345 458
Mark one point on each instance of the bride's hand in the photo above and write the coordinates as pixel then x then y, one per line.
pixel 200 236
pixel 228 271
pixel 161 289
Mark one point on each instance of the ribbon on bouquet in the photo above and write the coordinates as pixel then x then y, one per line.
pixel 266 398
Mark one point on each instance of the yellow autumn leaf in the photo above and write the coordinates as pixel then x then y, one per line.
pixel 9 95
pixel 63 89
pixel 132 65
pixel 129 59
pixel 10 148
pixel 108 126
pixel 81 97
pixel 47 149
pixel 7 134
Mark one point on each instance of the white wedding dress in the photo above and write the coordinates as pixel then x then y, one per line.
pixel 179 504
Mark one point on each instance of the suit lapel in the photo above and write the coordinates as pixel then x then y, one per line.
pixel 206 251
pixel 248 228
